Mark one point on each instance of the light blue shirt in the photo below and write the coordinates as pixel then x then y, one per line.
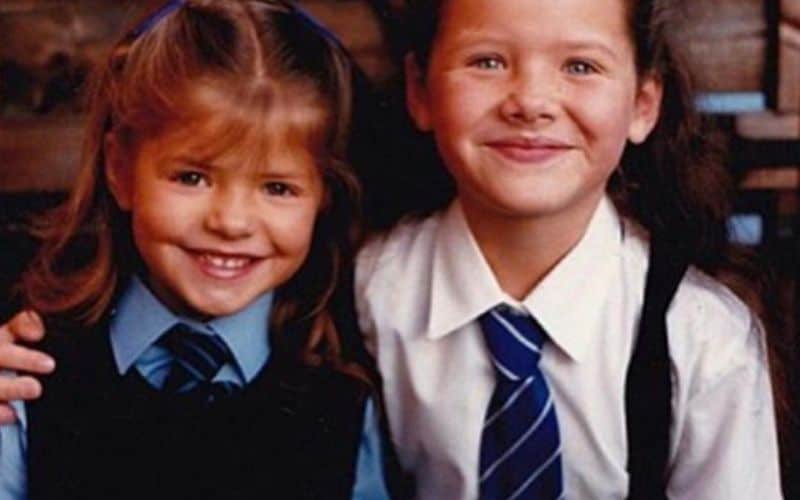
pixel 137 323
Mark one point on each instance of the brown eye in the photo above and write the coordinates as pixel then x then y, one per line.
pixel 191 178
pixel 488 62
pixel 279 189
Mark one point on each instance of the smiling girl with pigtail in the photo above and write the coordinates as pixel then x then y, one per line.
pixel 189 282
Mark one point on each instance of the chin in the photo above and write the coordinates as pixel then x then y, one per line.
pixel 209 307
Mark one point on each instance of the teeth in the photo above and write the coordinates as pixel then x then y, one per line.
pixel 227 262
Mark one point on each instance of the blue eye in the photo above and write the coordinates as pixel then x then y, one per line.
pixel 190 178
pixel 279 189
pixel 488 62
pixel 580 67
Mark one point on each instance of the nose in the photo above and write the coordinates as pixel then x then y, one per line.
pixel 231 215
pixel 531 98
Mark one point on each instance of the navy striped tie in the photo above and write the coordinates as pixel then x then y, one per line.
pixel 198 358
pixel 520 445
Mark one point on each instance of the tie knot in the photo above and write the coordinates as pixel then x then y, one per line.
pixel 198 356
pixel 515 341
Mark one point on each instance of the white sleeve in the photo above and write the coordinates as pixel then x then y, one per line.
pixel 727 447
pixel 366 263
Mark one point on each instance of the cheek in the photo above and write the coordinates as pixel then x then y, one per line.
pixel 292 229
pixel 153 226
pixel 157 222
pixel 458 104
pixel 148 238
pixel 606 123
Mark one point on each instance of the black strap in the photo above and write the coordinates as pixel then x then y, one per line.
pixel 648 387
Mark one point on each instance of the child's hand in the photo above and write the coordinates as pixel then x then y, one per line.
pixel 25 326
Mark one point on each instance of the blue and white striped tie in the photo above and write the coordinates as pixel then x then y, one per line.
pixel 198 358
pixel 520 445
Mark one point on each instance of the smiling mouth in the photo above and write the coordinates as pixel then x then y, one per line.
pixel 526 151
pixel 224 266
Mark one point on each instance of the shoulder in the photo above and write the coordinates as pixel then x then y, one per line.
pixel 409 241
pixel 716 322
pixel 717 344
pixel 712 332
pixel 335 395
pixel 405 250
pixel 83 358
pixel 703 309
pixel 70 340
pixel 390 273
pixel 701 300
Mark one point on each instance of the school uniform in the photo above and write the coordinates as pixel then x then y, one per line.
pixel 420 290
pixel 104 427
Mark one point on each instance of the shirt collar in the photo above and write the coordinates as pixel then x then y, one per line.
pixel 463 285
pixel 567 302
pixel 247 334
pixel 140 319
pixel 571 299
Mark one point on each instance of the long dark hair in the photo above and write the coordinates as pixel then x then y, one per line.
pixel 674 184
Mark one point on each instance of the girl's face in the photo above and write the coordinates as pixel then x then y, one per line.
pixel 531 103
pixel 215 233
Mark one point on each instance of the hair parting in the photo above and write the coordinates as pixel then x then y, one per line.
pixel 252 69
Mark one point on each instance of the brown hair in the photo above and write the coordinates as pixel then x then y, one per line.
pixel 230 65
pixel 674 184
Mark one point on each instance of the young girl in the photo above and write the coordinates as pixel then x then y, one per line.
pixel 208 233
pixel 505 322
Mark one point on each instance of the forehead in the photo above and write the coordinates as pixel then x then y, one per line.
pixel 535 21
pixel 247 132
pixel 227 149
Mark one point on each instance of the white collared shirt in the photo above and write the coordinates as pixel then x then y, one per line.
pixel 420 289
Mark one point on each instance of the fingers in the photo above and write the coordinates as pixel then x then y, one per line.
pixel 24 359
pixel 7 415
pixel 26 325
pixel 19 388
pixel 29 327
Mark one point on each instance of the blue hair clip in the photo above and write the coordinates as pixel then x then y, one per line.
pixel 315 24
pixel 157 16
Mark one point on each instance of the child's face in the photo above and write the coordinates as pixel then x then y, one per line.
pixel 215 233
pixel 531 103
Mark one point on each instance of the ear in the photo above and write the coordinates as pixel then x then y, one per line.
pixel 647 109
pixel 417 94
pixel 118 173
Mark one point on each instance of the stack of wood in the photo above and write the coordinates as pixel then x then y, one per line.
pixel 753 47
pixel 748 46
pixel 783 122
pixel 789 61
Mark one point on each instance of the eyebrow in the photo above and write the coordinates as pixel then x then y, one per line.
pixel 478 36
pixel 469 36
pixel 274 170
pixel 590 45
pixel 195 162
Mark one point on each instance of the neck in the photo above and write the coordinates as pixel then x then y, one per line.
pixel 521 251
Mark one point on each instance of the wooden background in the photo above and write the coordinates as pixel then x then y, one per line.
pixel 46 47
